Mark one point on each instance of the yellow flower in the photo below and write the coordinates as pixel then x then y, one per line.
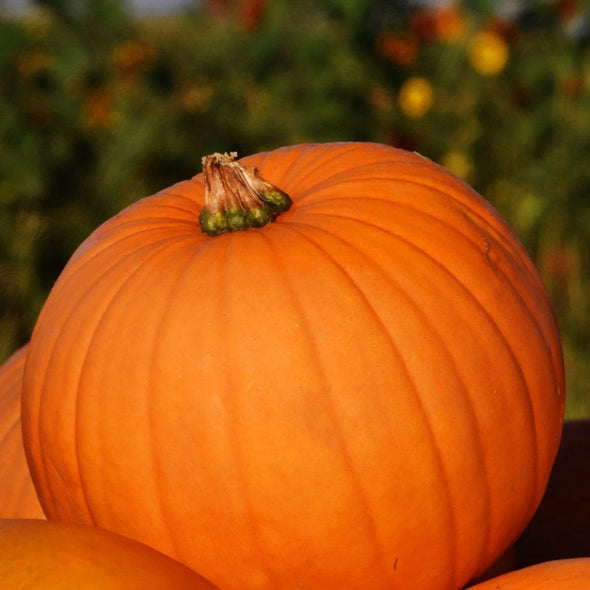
pixel 416 97
pixel 487 53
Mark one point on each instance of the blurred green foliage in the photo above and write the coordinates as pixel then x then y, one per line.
pixel 99 107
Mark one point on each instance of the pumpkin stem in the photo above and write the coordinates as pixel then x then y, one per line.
pixel 237 197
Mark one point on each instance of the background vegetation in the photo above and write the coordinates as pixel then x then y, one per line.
pixel 99 107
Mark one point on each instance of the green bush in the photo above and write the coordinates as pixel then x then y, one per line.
pixel 99 108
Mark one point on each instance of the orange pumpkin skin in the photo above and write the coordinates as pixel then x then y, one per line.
pixel 60 556
pixel 562 574
pixel 18 498
pixel 371 383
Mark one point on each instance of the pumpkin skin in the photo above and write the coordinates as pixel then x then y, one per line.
pixel 562 574
pixel 372 383
pixel 59 555
pixel 18 498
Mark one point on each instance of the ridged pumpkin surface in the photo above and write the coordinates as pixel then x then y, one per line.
pixel 18 498
pixel 45 554
pixel 563 574
pixel 366 393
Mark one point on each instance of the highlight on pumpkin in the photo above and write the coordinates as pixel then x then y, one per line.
pixel 236 197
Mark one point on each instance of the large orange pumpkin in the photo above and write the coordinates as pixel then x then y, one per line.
pixel 366 393
pixel 18 498
pixel 563 574
pixel 58 555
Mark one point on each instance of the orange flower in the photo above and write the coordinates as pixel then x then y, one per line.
pixel 248 13
pixel 251 13
pixel 487 53
pixel 438 23
pixel 131 56
pixel 573 86
pixel 567 9
pixel 98 109
pixel 416 97
pixel 399 50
